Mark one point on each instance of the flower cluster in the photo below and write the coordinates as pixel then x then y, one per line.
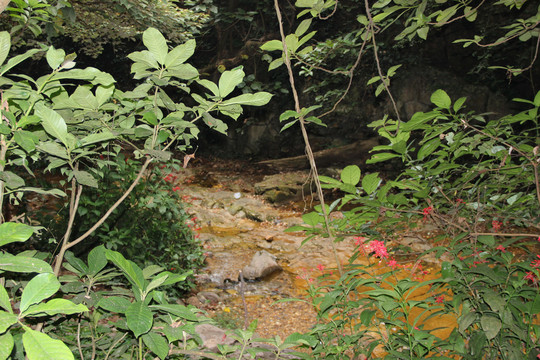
pixel 427 211
pixel 496 225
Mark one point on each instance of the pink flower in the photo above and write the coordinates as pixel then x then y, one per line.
pixel 496 225
pixel 439 299
pixel 530 276
pixel 378 248
pixel 427 211
pixel 359 240
pixel 501 248
pixel 320 267
pixel 536 263
pixel 392 263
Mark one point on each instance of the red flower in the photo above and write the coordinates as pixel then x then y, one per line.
pixel 536 263
pixel 427 211
pixel 530 276
pixel 392 263
pixel 439 299
pixel 460 201
pixel 378 248
pixel 320 267
pixel 496 225
pixel 502 248
pixel 359 240
pixel 176 188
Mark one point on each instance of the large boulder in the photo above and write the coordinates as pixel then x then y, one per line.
pixel 262 264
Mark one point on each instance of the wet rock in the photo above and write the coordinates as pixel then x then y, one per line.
pixel 212 336
pixel 262 264
pixel 283 187
pixel 208 298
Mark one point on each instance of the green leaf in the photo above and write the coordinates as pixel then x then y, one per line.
pixel 375 158
pixel 5 44
pixel 258 99
pixel 157 344
pixel 156 44
pixel 55 306
pixel 6 320
pixel 229 80
pixel 302 28
pixel 459 104
pixel 351 175
pixel 491 326
pixel 441 99
pixel 6 345
pixel 5 303
pixel 96 260
pixel 25 140
pixel 115 304
pixel 53 123
pixel 76 263
pixel 428 148
pixel 55 57
pixel 54 149
pixel 131 270
pixel 14 61
pixel 139 318
pixel 272 45
pixel 85 178
pixel 103 93
pixel 39 288
pixel 494 300
pixel 180 54
pixel 40 346
pixel 465 321
pixel 176 310
pixel 98 137
pixel 23 264
pixel 12 180
pixel 312 219
pixel 423 32
pixel 370 182
pixel 14 232
pixel 488 240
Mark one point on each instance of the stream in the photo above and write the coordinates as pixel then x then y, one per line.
pixel 233 223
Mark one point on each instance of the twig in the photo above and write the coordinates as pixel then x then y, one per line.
pixel 301 121
pixel 242 294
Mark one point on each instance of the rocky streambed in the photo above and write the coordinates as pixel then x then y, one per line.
pixel 241 215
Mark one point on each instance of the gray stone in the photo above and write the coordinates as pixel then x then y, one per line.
pixel 262 264
pixel 212 336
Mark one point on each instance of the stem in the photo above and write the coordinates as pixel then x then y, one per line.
pixel 68 245
pixel 309 151
pixel 114 345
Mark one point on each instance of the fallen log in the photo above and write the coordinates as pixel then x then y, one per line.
pixel 356 153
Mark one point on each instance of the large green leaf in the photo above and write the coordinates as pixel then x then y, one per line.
pixel 139 318
pixel 257 99
pixel 428 148
pixel 180 54
pixel 84 98
pixel 5 303
pixel 23 264
pixel 5 44
pixel 40 346
pixel 6 320
pixel 229 80
pixel 96 260
pixel 54 149
pixel 14 232
pixel 156 44
pixel 115 304
pixel 351 175
pixel 177 310
pixel 441 99
pixel 491 326
pixel 11 179
pixel 6 345
pixel 53 123
pixel 55 57
pixel 157 344
pixel 39 288
pixel 133 273
pixel 17 60
pixel 85 178
pixel 370 182
pixel 55 306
